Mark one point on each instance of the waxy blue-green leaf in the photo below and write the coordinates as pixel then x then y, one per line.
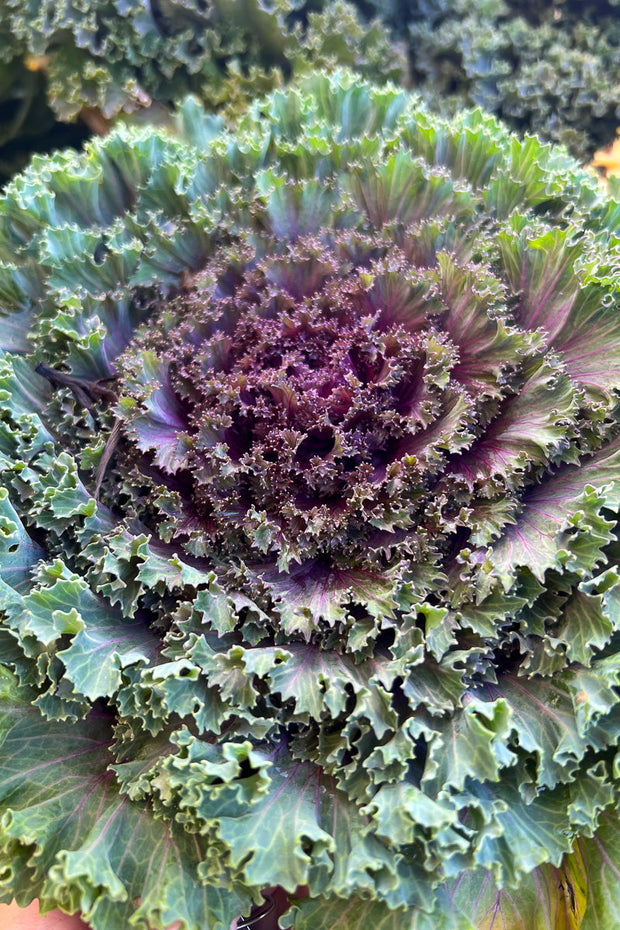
pixel 310 471
pixel 473 739
pixel 18 552
pixel 353 913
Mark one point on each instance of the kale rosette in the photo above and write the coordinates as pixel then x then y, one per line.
pixel 309 567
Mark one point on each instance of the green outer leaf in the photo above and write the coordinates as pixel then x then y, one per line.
pixel 601 855
pixel 70 838
pixel 543 717
pixel 472 739
pixel 98 653
pixel 549 898
pixel 277 832
pixel 18 552
pixel 103 641
pixel 571 499
pixel 358 914
pixel 585 625
pixel 318 679
pixel 420 751
pixel 526 833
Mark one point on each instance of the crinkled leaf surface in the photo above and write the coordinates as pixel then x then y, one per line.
pixel 308 526
pixel 70 837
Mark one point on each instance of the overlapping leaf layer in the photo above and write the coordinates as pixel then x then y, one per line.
pixel 309 576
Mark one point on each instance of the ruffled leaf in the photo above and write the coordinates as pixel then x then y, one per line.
pixel 71 838
pixel 560 522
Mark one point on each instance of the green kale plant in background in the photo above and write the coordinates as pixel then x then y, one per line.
pixel 308 528
pixel 60 59
pixel 544 66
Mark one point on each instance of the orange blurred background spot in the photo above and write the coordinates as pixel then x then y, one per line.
pixel 13 917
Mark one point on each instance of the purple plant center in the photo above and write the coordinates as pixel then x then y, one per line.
pixel 295 393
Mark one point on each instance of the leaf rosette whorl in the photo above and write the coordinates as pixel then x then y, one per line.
pixel 310 452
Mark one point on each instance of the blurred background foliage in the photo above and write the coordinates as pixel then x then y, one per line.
pixel 544 66
pixel 68 66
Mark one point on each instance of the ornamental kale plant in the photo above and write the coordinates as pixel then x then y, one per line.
pixel 127 55
pixel 309 570
pixel 548 67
